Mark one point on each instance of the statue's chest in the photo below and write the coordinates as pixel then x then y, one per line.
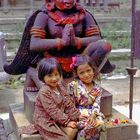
pixel 54 30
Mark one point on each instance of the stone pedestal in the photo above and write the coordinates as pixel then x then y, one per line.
pixel 122 131
pixel 19 119
pixel 29 103
pixel 106 103
pixel 22 115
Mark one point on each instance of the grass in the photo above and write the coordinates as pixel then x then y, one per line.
pixel 118 40
pixel 14 82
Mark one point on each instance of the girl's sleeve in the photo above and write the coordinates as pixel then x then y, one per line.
pixel 72 89
pixel 98 98
pixel 51 108
pixel 70 109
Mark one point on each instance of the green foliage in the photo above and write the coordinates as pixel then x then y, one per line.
pixel 14 82
pixel 120 39
pixel 18 29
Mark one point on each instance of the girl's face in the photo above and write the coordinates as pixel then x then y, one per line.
pixel 85 73
pixel 52 79
pixel 65 4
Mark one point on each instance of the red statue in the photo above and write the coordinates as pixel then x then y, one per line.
pixel 61 29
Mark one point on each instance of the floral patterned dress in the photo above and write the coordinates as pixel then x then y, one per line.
pixel 83 102
pixel 53 110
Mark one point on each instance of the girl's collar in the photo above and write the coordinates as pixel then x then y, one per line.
pixel 79 81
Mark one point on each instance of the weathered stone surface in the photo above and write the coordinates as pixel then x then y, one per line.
pixel 122 131
pixel 9 130
pixel 29 103
pixel 18 119
pixel 3 135
pixel 106 103
pixel 2 51
pixel 4 77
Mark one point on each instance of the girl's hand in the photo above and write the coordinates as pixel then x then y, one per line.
pixel 72 124
pixel 83 117
pixel 90 120
pixel 96 92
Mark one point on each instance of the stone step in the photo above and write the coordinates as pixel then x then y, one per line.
pixel 122 131
pixel 106 103
pixel 9 130
pixel 18 119
pixel 29 102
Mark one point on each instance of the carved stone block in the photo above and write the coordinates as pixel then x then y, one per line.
pixel 2 51
pixel 29 104
pixel 106 103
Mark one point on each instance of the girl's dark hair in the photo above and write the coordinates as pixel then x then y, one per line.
pixel 46 66
pixel 83 59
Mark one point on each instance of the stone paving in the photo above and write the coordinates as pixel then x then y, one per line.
pixel 2 131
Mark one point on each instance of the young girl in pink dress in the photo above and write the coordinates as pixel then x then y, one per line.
pixel 86 94
pixel 55 115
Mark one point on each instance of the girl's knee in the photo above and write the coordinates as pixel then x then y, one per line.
pixel 71 133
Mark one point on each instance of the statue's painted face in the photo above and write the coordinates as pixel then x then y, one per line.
pixel 65 4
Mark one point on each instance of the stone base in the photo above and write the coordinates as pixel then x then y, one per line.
pixel 18 119
pixel 9 130
pixel 29 102
pixel 106 103
pixel 122 131
pixel 4 77
pixel 127 131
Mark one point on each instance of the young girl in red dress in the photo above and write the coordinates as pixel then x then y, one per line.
pixel 55 115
